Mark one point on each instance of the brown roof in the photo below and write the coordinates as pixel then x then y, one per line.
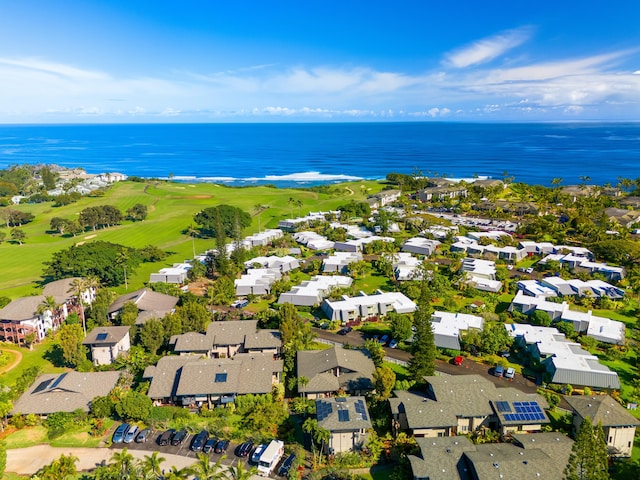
pixel 65 392
pixel 22 308
pixel 602 408
pixel 61 290
pixel 145 299
pixel 106 335
pixel 356 369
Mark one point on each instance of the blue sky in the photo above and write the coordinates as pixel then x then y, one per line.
pixel 88 61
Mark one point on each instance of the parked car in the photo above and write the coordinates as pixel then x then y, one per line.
pixel 255 456
pixel 199 440
pixel 210 445
pixel 393 343
pixel 509 372
pixel 244 449
pixel 121 431
pixel 498 371
pixel 179 437
pixel 221 446
pixel 144 435
pixel 458 360
pixel 130 436
pixel 286 465
pixel 345 330
pixel 529 270
pixel 166 437
pixel 384 339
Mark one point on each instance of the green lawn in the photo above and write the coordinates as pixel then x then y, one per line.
pixel 29 359
pixel 30 436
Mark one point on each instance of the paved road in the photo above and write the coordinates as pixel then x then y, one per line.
pixel 357 338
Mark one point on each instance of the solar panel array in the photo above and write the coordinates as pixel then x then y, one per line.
pixel 323 410
pixel 341 399
pixel 503 407
pixel 343 415
pixel 525 412
pixel 361 409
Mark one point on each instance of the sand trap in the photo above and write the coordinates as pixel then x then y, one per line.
pixel 90 237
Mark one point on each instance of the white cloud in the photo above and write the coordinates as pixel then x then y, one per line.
pixel 487 49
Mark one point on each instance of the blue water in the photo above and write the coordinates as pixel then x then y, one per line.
pixel 310 154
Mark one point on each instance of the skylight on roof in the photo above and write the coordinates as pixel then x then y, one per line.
pixel 102 336
pixel 220 378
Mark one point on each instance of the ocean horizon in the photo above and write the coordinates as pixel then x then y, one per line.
pixel 306 154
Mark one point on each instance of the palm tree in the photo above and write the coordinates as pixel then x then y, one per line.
pixel 291 202
pixel 151 466
pixel 78 287
pixel 67 466
pixel 192 232
pixel 298 204
pixel 240 473
pixel 259 208
pixel 122 259
pixel 124 463
pixel 178 473
pixel 205 470
pixel 49 304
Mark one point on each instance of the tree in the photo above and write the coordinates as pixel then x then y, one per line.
pixel 240 472
pixel 296 335
pixel 3 457
pixel 70 342
pixel 127 315
pixel 102 407
pixel 259 208
pixel 78 288
pixel 151 465
pixel 400 326
pixel 48 178
pixel 123 463
pixel 586 461
pixel 422 363
pixel 319 435
pixel 204 470
pixel 223 291
pixel 195 316
pixel 18 235
pixel 494 338
pixel 376 351
pixel 59 224
pixel 540 317
pixel 134 406
pixel 384 379
pixel 222 217
pixel 152 335
pixel 137 213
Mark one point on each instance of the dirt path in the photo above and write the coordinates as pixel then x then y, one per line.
pixel 15 363
pixel 349 190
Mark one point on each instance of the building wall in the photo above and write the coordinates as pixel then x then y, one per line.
pixel 620 438
pixel 346 441
pixel 431 432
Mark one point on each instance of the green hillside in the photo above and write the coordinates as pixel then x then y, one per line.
pixel 171 209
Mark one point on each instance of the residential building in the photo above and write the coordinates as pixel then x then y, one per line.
pixel 225 339
pixel 447 326
pixel 312 292
pixel 530 456
pixel 383 198
pixel 347 421
pixel 440 194
pixel 339 261
pixel 64 392
pixel 420 246
pixel 284 264
pixel 107 343
pixel 257 281
pixel 177 274
pixel 192 381
pixel 263 238
pixel 313 240
pixel 481 274
pixel 146 300
pixel 461 404
pixel 565 362
pixel 291 224
pixel 334 370
pixel 364 306
pixel 618 424
pixel 405 266
pixel 357 244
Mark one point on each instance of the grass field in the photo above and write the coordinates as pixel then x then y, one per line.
pixel 171 210
pixel 30 358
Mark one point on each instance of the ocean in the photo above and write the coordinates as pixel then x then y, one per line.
pixel 307 154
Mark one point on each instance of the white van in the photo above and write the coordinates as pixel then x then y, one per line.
pixel 270 457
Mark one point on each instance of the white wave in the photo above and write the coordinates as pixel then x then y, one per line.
pixel 301 177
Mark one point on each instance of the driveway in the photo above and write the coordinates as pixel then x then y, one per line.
pixel 357 338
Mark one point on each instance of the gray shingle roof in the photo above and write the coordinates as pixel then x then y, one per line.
pixel 602 408
pixel 342 415
pixel 189 375
pixel 23 308
pixel 452 397
pixel 192 342
pixel 231 332
pixel 442 458
pixel 65 392
pixel 356 369
pixel 106 335
pixel 61 290
pixel 145 299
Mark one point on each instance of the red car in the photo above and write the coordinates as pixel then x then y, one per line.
pixel 458 360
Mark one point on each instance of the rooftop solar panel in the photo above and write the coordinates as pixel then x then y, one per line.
pixel 341 399
pixel 343 415
pixel 102 336
pixel 503 407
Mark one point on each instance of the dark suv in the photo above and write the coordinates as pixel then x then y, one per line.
pixel 179 437
pixel 210 445
pixel 199 440
pixel 221 446
pixel 244 449
pixel 286 465
pixel 166 437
